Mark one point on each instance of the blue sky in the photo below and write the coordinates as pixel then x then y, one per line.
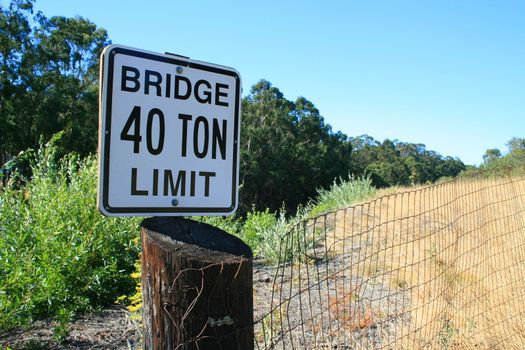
pixel 448 73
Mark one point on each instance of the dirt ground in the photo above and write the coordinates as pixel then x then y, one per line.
pixel 112 328
pixel 115 328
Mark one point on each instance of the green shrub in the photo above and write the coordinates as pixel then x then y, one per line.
pixel 58 254
pixel 285 237
pixel 277 237
pixel 256 224
pixel 342 194
pixel 133 301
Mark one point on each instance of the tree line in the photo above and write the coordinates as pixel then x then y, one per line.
pixel 498 163
pixel 49 84
pixel 288 152
pixel 48 79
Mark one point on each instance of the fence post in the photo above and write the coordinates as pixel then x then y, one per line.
pixel 196 287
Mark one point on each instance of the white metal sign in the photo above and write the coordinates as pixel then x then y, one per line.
pixel 169 135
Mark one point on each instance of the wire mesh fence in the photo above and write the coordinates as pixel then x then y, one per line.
pixel 438 267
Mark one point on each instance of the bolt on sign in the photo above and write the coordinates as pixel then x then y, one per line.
pixel 168 135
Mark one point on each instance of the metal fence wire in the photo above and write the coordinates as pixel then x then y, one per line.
pixel 438 267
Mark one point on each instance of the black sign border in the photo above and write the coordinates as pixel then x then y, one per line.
pixel 105 132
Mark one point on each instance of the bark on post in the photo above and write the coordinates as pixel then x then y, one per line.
pixel 197 287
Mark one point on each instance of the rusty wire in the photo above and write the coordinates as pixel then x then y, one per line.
pixel 438 267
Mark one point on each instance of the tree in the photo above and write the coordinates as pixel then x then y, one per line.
pixel 14 42
pixel 287 150
pixel 491 154
pixel 364 149
pixel 49 79
pixel 266 143
pixel 513 162
pixel 320 154
pixel 516 153
pixel 393 163
pixel 388 169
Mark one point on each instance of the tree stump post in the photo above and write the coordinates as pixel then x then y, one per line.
pixel 196 287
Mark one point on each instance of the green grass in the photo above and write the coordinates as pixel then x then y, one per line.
pixel 58 254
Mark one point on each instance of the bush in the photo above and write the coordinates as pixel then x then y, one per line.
pixel 274 240
pixel 59 255
pixel 267 233
pixel 254 227
pixel 342 194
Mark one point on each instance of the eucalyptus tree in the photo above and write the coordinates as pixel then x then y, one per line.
pixel 49 79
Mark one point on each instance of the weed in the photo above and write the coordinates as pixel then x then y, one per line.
pixel 33 344
pixel 271 323
pixel 447 333
pixel 134 301
pixel 342 194
pixel 61 330
pixel 288 238
pixel 399 282
pixel 254 227
pixel 59 254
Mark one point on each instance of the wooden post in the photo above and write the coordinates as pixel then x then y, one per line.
pixel 196 287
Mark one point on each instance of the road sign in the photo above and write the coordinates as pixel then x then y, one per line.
pixel 168 135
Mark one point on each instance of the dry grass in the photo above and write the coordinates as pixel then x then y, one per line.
pixel 458 250
pixel 438 267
